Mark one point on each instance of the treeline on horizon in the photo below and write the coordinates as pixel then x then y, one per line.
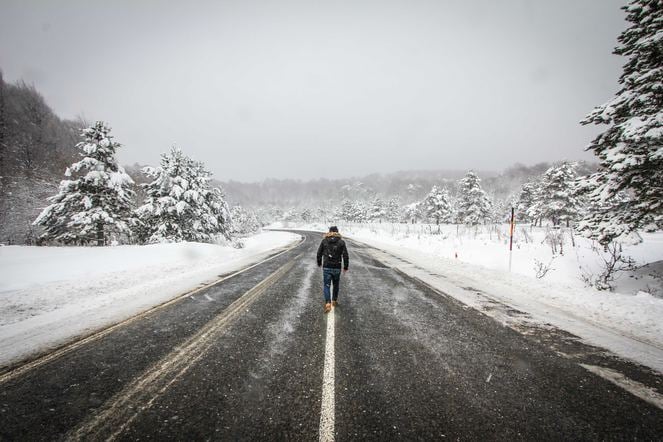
pixel 36 146
pixel 408 186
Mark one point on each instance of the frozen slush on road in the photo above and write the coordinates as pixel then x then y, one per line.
pixel 52 294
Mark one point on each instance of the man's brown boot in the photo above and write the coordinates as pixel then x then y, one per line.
pixel 327 307
pixel 334 303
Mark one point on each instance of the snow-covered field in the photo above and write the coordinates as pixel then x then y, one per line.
pixel 471 262
pixel 51 294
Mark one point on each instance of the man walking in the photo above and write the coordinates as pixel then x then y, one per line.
pixel 332 249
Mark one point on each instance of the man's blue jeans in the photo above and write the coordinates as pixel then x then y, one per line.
pixel 329 277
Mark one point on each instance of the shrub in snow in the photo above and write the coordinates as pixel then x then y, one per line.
pixel 613 262
pixel 541 269
pixel 473 206
pixel 555 239
pixel 95 203
pixel 631 149
pixel 181 205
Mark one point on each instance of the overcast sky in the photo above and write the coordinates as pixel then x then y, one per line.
pixel 309 89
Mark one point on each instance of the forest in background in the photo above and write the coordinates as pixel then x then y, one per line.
pixel 407 186
pixel 36 146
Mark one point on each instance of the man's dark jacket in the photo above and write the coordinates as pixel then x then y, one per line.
pixel 332 249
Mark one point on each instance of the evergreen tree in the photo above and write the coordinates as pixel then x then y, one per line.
pixel 501 210
pixel 353 211
pixel 393 210
pixel 631 149
pixel 346 211
pixel 181 205
pixel 473 205
pixel 437 206
pixel 291 215
pixel 377 210
pixel 95 204
pixel 217 219
pixel 525 202
pixel 244 222
pixel 306 215
pixel 413 212
pixel 359 212
pixel 557 198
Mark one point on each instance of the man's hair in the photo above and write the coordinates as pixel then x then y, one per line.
pixel 333 229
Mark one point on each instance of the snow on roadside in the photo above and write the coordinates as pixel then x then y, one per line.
pixel 628 324
pixel 51 294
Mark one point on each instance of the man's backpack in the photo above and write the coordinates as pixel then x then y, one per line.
pixel 334 250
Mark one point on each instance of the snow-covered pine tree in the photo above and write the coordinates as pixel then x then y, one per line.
pixel 393 210
pixel 306 215
pixel 322 214
pixel 631 149
pixel 291 215
pixel 436 205
pixel 376 211
pixel 413 212
pixel 359 212
pixel 270 215
pixel 219 210
pixel 181 205
pixel 346 211
pixel 525 201
pixel 244 222
pixel 557 199
pixel 501 209
pixel 473 206
pixel 95 204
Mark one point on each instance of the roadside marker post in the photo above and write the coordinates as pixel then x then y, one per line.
pixel 511 237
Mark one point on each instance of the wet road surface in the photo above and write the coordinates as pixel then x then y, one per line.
pixel 244 359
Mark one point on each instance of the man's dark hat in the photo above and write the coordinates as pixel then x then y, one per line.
pixel 333 229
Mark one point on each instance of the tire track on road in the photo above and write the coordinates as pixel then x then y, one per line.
pixel 118 413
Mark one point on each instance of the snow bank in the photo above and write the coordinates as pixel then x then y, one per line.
pixel 560 298
pixel 488 246
pixel 51 294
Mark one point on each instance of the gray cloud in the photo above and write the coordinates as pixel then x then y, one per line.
pixel 285 89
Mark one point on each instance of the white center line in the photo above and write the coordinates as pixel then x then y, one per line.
pixel 327 411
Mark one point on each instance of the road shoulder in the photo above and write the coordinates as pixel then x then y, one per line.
pixel 587 344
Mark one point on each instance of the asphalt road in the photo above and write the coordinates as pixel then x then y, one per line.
pixel 244 360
